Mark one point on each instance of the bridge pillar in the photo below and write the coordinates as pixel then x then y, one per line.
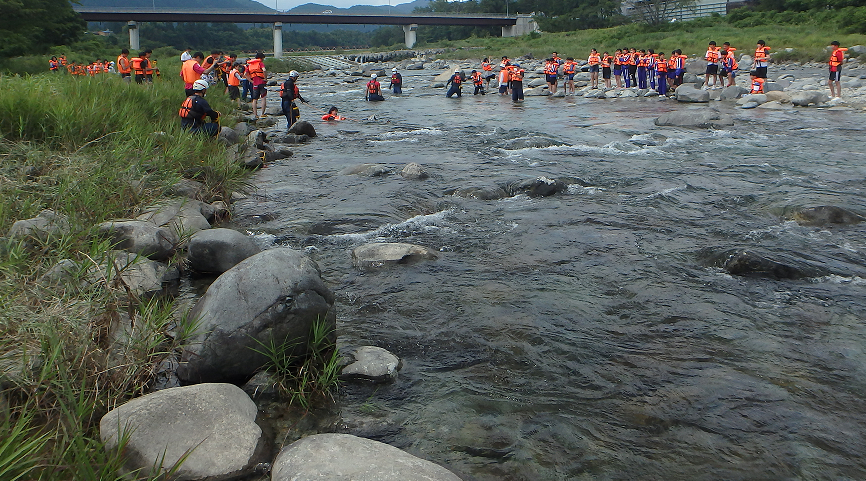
pixel 133 35
pixel 278 39
pixel 411 32
pixel 525 24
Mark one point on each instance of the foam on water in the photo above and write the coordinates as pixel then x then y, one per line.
pixel 414 225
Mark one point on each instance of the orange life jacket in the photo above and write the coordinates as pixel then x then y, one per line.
pixel 284 94
pixel 187 71
pixel 63 60
pixel 757 86
pixel 569 68
pixel 593 59
pixel 712 55
pixel 185 111
pixel 643 61
pixel 662 66
pixel 373 87
pixel 476 79
pixel 632 59
pixel 136 66
pixel 761 54
pixel 148 70
pixel 605 61
pixel 504 75
pixel 516 74
pixel 255 68
pixel 550 68
pixel 124 65
pixel 232 79
pixel 837 59
pixel 486 66
pixel 226 67
pixel 52 65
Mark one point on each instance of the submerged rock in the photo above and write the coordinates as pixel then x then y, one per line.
pixel 748 263
pixel 414 171
pixel 343 457
pixel 697 118
pixel 370 363
pixel 537 187
pixel 826 215
pixel 378 254
pixel 367 170
pixel 480 193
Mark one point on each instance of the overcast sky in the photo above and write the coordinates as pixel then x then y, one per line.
pixel 287 4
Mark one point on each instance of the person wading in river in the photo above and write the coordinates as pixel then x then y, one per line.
pixel 374 90
pixel 456 82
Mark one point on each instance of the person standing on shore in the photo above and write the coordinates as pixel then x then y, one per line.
pixel 257 75
pixel 712 57
pixel 761 59
pixel 550 71
pixel 617 67
pixel 594 62
pixel 662 70
pixel 191 70
pixel 837 57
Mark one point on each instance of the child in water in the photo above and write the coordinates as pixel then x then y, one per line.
pixel 333 115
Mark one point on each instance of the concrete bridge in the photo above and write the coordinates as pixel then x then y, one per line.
pixel 512 25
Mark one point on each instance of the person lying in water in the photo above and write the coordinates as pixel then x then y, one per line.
pixel 333 115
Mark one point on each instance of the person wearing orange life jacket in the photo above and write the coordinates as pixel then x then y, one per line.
pixel 837 58
pixel 569 68
pixel 288 93
pixel 333 114
pixel 516 82
pixel 233 81
pixel 62 60
pixel 148 65
pixel 679 61
pixel 762 58
pixel 757 83
pixel 550 74
pixel 396 81
pixel 194 110
pixel 487 71
pixel 54 64
pixel 606 61
pixel 192 70
pixel 225 68
pixel 504 78
pixel 712 57
pixel 617 67
pixel 729 67
pixel 140 67
pixel 124 66
pixel 642 66
pixel 662 71
pixel 478 81
pixel 594 62
pixel 456 82
pixel 258 76
pixel 374 90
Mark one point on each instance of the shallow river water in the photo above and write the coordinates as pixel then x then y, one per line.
pixel 582 335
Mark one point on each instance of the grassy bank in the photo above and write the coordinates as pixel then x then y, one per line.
pixel 92 149
pixel 807 39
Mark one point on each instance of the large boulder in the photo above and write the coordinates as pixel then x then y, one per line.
pixel 826 215
pixel 537 187
pixel 302 127
pixel 137 275
pixel 189 188
pixel 218 250
pixel 698 118
pixel 773 87
pixel 536 92
pixel 806 98
pixel 688 93
pixel 370 363
pixel 746 98
pixel 413 171
pixel 140 237
pixel 272 298
pixel 749 263
pixel 343 457
pixel 379 254
pixel 229 135
pixel 45 225
pixel 733 92
pixel 208 429
pixel 182 216
pixel 778 96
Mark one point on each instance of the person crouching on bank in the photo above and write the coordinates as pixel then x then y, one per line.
pixel 195 108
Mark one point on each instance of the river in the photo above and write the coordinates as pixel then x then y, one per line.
pixel 581 336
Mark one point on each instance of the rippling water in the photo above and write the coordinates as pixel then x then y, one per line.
pixel 580 336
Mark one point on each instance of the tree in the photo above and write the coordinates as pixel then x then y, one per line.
pixel 655 12
pixel 33 26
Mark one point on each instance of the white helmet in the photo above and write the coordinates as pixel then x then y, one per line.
pixel 293 74
pixel 373 76
pixel 394 69
pixel 199 85
pixel 457 70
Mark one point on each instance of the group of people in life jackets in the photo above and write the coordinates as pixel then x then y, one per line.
pixel 373 90
pixel 142 67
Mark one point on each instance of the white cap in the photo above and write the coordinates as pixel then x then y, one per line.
pixel 394 69
pixel 457 70
pixel 373 76
pixel 199 85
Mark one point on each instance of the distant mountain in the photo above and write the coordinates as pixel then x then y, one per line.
pixel 402 8
pixel 204 5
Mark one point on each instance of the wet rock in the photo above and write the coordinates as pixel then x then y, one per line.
pixel 759 98
pixel 627 93
pixel 778 96
pixel 370 363
pixel 254 160
pixel 536 82
pixel 536 92
pixel 182 216
pixel 775 105
pixel 645 140
pixel 696 118
pixel 191 189
pixel 343 457
pixel 211 425
pixel 218 250
pixel 806 98
pixel 47 224
pixel 292 139
pixel 688 93
pixel 437 85
pixel 749 105
pixel 379 254
pixel 537 187
pixel 165 374
pixel 367 170
pixel 651 93
pixel 140 237
pixel 594 94
pixel 137 275
pixel 532 142
pixel 220 210
pixel 277 154
pixel 229 136
pixel 413 171
pixel 480 193
pixel 733 92
pixel 748 263
pixel 302 127
pixel 558 94
pixel 826 215
pixel 262 386
pixel 270 297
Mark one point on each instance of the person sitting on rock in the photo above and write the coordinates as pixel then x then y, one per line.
pixel 333 114
pixel 195 108
pixel 757 83
pixel 374 90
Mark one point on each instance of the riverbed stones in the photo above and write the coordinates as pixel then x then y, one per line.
pixel 229 136
pixel 536 82
pixel 302 127
pixel 273 297
pixel 414 171
pixel 191 189
pixel 182 216
pixel 537 187
pixel 775 105
pixel 367 170
pixel 47 224
pixel 218 250
pixel 211 425
pixel 370 363
pixel 749 105
pixel 386 253
pixel 688 93
pixel 778 96
pixel 826 215
pixel 536 92
pixel 696 118
pixel 135 274
pixel 140 237
pixel 758 98
pixel 807 98
pixel 64 271
pixel 733 92
pixel 343 457
pixel 752 263
pixel 480 193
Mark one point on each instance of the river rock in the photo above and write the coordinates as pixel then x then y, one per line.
pixel 775 105
pixel 688 93
pixel 144 278
pixel 826 215
pixel 749 105
pixel 697 118
pixel 558 94
pixel 370 363
pixel 229 136
pixel 257 139
pixel 414 171
pixel 594 94
pixel 480 193
pixel 747 263
pixel 140 237
pixel 218 250
pixel 733 92
pixel 277 154
pixel 773 87
pixel 291 139
pixel 379 254
pixel 696 66
pixel 745 62
pixel 415 66
pixel 182 216
pixel 536 82
pixel 265 122
pixel 367 170
pixel 537 187
pixel 191 189
pixel 211 425
pixel 272 297
pixel 47 224
pixel 343 457
pixel 242 129
pixel 536 92
pixel 804 99
pixel 651 93
pixel 302 127
pixel 63 272
pixel 692 79
pixel 625 93
pixel 759 98
pixel 778 96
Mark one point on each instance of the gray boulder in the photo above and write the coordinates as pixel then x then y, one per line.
pixel 229 136
pixel 188 188
pixel 379 254
pixel 291 139
pixel 367 170
pixel 64 271
pixel 273 297
pixel 536 82
pixel 746 263
pixel 45 225
pixel 688 93
pixel 594 94
pixel 626 93
pixel 414 171
pixel 774 86
pixel 140 237
pixel 651 93
pixel 826 215
pixel 480 193
pixel 182 216
pixel 213 425
pixel 370 363
pixel 775 105
pixel 536 92
pixel 806 98
pixel 749 105
pixel 242 128
pixel 696 66
pixel 343 457
pixel 218 250
pixel 698 118
pixel 537 187
pixel 302 127
pixel 139 276
pixel 733 92
pixel 759 98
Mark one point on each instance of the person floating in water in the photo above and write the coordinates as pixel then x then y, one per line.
pixel 333 114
